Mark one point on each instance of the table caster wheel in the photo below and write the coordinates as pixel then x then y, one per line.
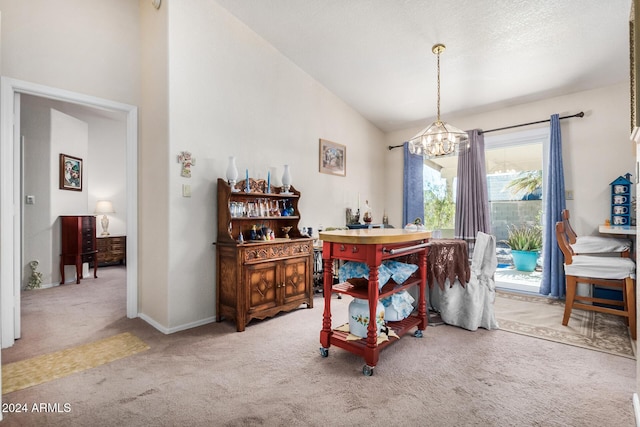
pixel 324 352
pixel 418 334
pixel 367 370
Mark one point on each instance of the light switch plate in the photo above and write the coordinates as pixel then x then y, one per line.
pixel 186 190
pixel 31 200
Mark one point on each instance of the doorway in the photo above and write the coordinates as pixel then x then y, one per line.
pixel 509 157
pixel 11 268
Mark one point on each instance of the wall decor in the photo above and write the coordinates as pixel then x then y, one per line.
pixel 187 161
pixel 333 158
pixel 70 173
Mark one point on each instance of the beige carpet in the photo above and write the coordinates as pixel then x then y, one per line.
pixel 541 317
pixel 47 367
pixel 273 374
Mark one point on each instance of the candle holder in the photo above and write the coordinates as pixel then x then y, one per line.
pixel 286 180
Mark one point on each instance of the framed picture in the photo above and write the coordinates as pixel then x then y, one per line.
pixel 70 173
pixel 333 158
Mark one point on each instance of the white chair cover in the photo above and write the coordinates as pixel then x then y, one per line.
pixel 601 267
pixel 599 245
pixel 471 307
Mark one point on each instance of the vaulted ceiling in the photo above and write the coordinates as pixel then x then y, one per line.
pixel 376 54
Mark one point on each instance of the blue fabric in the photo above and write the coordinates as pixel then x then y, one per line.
pixel 553 203
pixel 400 271
pixel 413 191
pixel 360 270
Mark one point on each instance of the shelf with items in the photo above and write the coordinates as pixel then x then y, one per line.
pixel 621 200
pixel 372 246
pixel 240 211
pixel 259 277
pixel 387 290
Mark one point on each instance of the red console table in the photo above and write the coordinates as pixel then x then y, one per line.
pixel 372 246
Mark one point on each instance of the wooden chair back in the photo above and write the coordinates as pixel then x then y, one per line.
pixel 563 242
pixel 571 234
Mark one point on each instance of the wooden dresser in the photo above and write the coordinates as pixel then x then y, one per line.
pixel 78 244
pixel 112 250
pixel 260 278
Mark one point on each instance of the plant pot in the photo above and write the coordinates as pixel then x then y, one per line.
pixel 525 260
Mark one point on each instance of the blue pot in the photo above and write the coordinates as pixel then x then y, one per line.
pixel 525 260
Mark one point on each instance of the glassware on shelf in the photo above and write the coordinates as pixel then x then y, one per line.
pixel 236 209
pixel 275 209
pixel 251 209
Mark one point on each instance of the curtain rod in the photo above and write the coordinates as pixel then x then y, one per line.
pixel 580 114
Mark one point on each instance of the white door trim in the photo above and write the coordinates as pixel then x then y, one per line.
pixel 10 242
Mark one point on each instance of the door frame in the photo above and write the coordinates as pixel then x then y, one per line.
pixel 11 199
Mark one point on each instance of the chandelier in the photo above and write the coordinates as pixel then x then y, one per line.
pixel 440 138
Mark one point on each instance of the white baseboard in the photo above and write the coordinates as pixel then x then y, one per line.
pixel 183 327
pixel 636 408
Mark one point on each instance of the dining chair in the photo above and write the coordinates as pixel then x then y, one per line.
pixel 610 272
pixel 593 245
pixel 470 305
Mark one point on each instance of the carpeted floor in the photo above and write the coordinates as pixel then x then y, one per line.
pixel 272 374
pixel 541 317
pixel 48 367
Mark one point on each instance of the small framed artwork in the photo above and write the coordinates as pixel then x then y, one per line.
pixel 333 158
pixel 70 173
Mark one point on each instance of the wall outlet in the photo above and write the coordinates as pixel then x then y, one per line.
pixel 186 190
pixel 31 200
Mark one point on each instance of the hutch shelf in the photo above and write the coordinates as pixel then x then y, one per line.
pixel 372 246
pixel 264 264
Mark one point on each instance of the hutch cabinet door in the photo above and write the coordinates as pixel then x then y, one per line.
pixel 262 285
pixel 296 279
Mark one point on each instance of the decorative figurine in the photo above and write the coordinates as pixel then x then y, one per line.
pixel 36 277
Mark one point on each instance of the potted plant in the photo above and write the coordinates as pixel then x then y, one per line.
pixel 525 242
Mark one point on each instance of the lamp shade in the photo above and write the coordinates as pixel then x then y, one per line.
pixel 104 207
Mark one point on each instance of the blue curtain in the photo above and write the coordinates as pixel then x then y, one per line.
pixel 553 203
pixel 472 196
pixel 413 192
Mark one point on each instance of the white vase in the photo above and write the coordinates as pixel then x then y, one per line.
pixel 359 317
pixel 286 179
pixel 232 171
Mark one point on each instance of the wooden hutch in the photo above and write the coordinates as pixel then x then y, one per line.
pixel 259 277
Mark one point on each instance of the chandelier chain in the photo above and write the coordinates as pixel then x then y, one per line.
pixel 440 138
pixel 438 85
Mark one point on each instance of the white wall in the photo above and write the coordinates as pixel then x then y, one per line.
pixel 231 93
pixel 104 173
pixel 90 47
pixel 68 136
pixel 106 164
pixel 153 171
pixel 596 148
pixel 213 87
pixel 37 235
pixel 97 54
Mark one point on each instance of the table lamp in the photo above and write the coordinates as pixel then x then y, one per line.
pixel 104 207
